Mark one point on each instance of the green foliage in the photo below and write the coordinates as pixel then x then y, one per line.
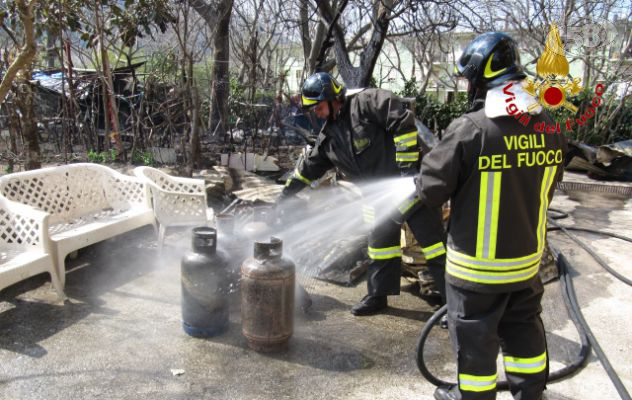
pixel 410 88
pixel 138 157
pixel 236 100
pixel 623 130
pixel 239 105
pixel 605 126
pixel 128 20
pixel 95 157
pixel 143 157
pixel 434 114
pixel 162 66
pixel 102 157
pixel 8 169
pixel 237 89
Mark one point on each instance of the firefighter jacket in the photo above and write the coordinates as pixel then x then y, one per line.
pixel 500 176
pixel 373 136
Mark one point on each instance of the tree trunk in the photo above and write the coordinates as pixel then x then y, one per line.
pixel 67 127
pixel 193 99
pixel 111 111
pixel 217 17
pixel 355 77
pixel 305 34
pixel 67 65
pixel 14 133
pixel 219 75
pixel 311 49
pixel 51 54
pixel 194 161
pixel 253 66
pixel 106 119
pixel 28 50
pixel 26 104
pixel 188 171
pixel 319 41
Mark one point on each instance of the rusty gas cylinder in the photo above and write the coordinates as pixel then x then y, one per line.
pixel 205 280
pixel 267 297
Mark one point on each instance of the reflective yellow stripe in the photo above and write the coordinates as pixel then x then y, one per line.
pixel 308 102
pixel 496 265
pixel 547 181
pixel 488 277
pixel 411 156
pixel 488 208
pixel 301 178
pixel 408 204
pixel 493 229
pixel 433 251
pixel 482 202
pixel 385 253
pixel 475 383
pixel 493 263
pixel 531 365
pixel 406 140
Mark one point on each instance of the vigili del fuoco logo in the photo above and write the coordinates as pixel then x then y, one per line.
pixel 552 88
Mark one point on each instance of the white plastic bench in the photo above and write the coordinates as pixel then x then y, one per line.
pixel 176 201
pixel 24 247
pixel 86 203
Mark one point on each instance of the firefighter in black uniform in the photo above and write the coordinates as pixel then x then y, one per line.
pixel 371 135
pixel 499 173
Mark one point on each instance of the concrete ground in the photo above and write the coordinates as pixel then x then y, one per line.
pixel 119 335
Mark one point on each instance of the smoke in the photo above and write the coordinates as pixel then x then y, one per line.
pixel 318 229
pixel 317 233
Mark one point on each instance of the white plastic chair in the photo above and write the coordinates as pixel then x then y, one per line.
pixel 176 201
pixel 86 203
pixel 24 246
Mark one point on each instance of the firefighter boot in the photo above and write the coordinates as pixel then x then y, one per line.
pixel 427 286
pixel 369 305
pixel 447 393
pixel 432 281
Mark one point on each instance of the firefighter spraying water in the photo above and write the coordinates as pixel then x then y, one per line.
pixel 369 134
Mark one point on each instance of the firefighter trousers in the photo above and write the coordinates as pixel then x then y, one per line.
pixel 427 226
pixel 384 271
pixel 481 323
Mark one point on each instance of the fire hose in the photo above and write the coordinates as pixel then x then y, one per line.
pixel 587 338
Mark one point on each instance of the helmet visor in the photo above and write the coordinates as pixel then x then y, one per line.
pixel 308 102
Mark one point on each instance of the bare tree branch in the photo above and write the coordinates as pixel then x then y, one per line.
pixel 28 50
